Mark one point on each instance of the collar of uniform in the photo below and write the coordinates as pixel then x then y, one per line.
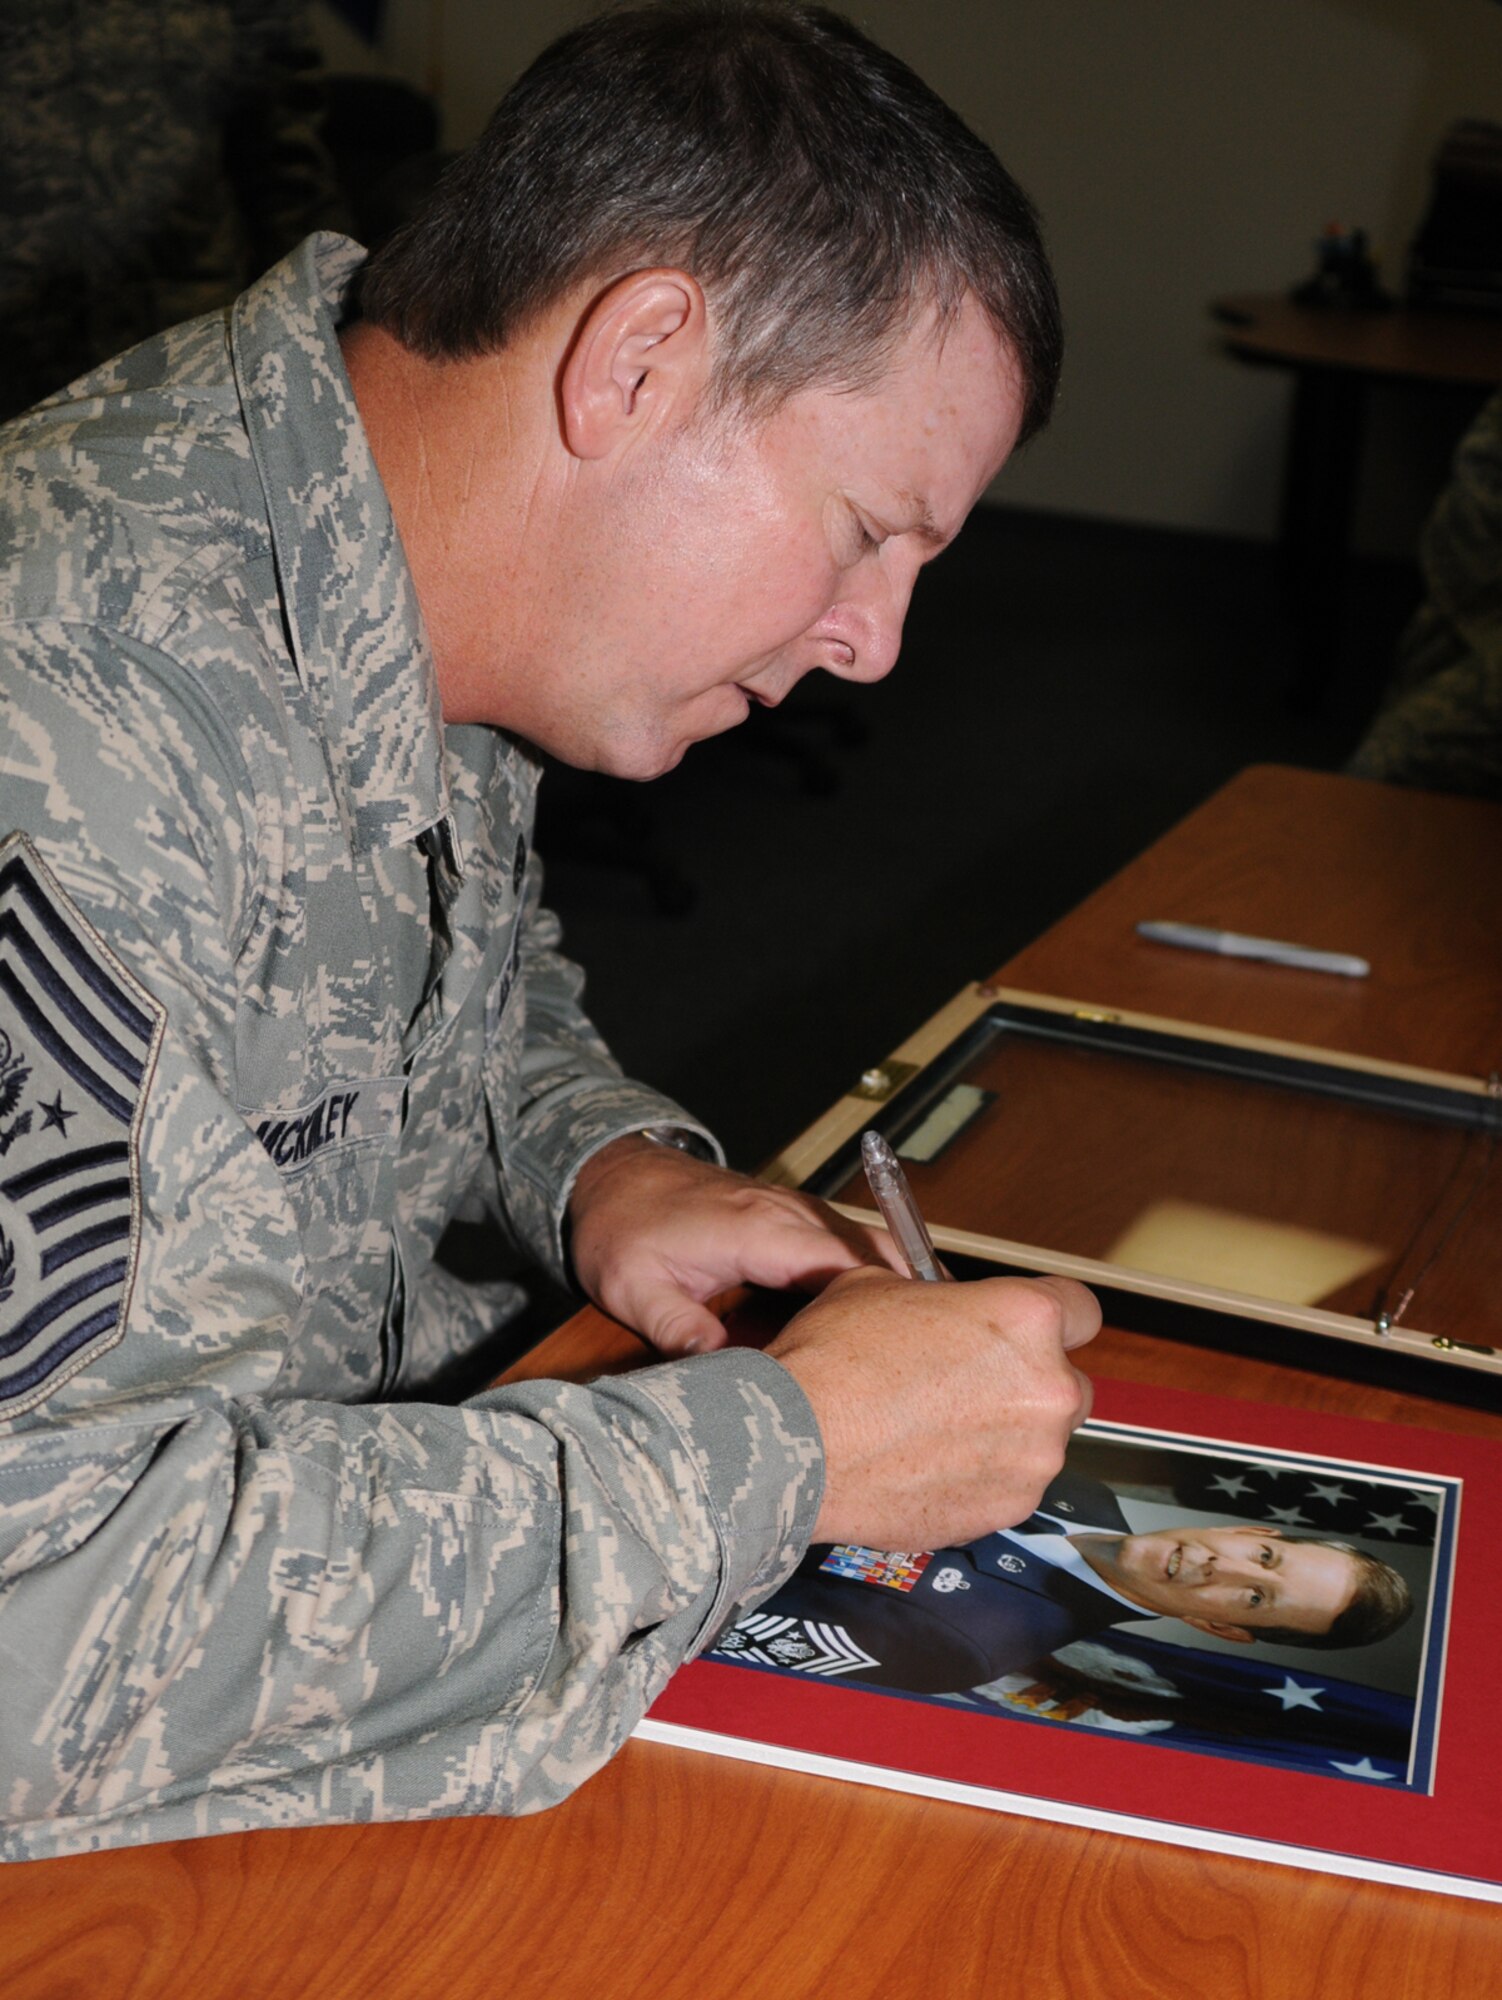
pixel 358 637
pixel 1058 1549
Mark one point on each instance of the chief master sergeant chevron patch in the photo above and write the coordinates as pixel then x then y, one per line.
pixel 78 1038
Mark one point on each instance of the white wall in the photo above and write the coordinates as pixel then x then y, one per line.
pixel 1178 149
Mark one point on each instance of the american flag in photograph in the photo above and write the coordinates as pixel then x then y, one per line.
pixel 1327 1504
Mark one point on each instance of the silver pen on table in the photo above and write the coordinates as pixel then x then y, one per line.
pixel 1231 944
pixel 899 1211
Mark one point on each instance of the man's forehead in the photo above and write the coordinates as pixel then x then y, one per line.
pixel 930 345
pixel 1320 1583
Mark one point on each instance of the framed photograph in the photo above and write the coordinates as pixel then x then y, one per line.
pixel 1226 1626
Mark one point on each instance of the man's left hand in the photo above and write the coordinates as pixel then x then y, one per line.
pixel 656 1233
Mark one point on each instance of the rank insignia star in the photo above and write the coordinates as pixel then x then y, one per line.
pixel 55 1115
pixel 70 1013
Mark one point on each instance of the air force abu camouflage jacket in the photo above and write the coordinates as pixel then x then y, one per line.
pixel 1440 724
pixel 277 1000
pixel 155 155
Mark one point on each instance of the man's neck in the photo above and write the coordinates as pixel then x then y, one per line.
pixel 1099 1551
pixel 459 462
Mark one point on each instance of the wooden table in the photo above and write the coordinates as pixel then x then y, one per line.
pixel 1335 355
pixel 1398 344
pixel 682 1877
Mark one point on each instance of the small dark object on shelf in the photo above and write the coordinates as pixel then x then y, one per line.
pixel 1345 273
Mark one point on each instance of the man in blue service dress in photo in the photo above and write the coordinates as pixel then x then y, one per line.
pixel 660 404
pixel 940 1621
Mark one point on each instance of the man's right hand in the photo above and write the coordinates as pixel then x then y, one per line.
pixel 944 1409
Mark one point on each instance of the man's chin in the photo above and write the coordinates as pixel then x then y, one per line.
pixel 656 760
pixel 653 761
pixel 639 764
pixel 641 758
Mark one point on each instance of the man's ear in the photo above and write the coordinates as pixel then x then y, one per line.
pixel 641 349
pixel 1237 1634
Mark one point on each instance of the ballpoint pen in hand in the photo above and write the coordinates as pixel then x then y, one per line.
pixel 893 1196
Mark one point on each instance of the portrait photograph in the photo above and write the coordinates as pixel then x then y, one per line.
pixel 1248 1604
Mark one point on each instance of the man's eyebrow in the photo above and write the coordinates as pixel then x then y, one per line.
pixel 924 525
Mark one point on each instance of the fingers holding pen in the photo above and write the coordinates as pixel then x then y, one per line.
pixel 945 1409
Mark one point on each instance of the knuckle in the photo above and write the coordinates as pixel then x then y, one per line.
pixel 1059 1408
pixel 1064 1393
pixel 858 1274
pixel 1034 1309
pixel 1068 1298
pixel 1041 1474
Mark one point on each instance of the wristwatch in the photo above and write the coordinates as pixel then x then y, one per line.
pixel 680 1138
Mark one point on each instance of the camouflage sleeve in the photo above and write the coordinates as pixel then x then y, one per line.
pixel 221 1612
pixel 227 1597
pixel 1440 724
pixel 572 1098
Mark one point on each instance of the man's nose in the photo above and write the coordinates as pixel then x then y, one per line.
pixel 870 620
pixel 1234 1569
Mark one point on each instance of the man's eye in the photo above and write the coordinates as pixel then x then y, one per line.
pixel 865 540
pixel 1267 1557
pixel 1254 1599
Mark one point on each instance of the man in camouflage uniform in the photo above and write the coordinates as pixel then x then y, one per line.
pixel 289 599
pixel 154 156
pixel 1440 724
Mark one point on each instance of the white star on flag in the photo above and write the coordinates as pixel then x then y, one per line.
pixel 1390 1524
pixel 1365 1769
pixel 1293 1696
pixel 1290 1517
pixel 1234 1485
pixel 1334 1494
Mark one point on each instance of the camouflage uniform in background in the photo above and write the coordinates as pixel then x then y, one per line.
pixel 277 1001
pixel 1440 725
pixel 155 155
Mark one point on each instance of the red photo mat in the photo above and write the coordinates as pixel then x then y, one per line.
pixel 1450 1840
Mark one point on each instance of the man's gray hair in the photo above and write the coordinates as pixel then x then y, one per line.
pixel 817 189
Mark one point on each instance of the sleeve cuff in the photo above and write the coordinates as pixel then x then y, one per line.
pixel 543 1162
pixel 752 1438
